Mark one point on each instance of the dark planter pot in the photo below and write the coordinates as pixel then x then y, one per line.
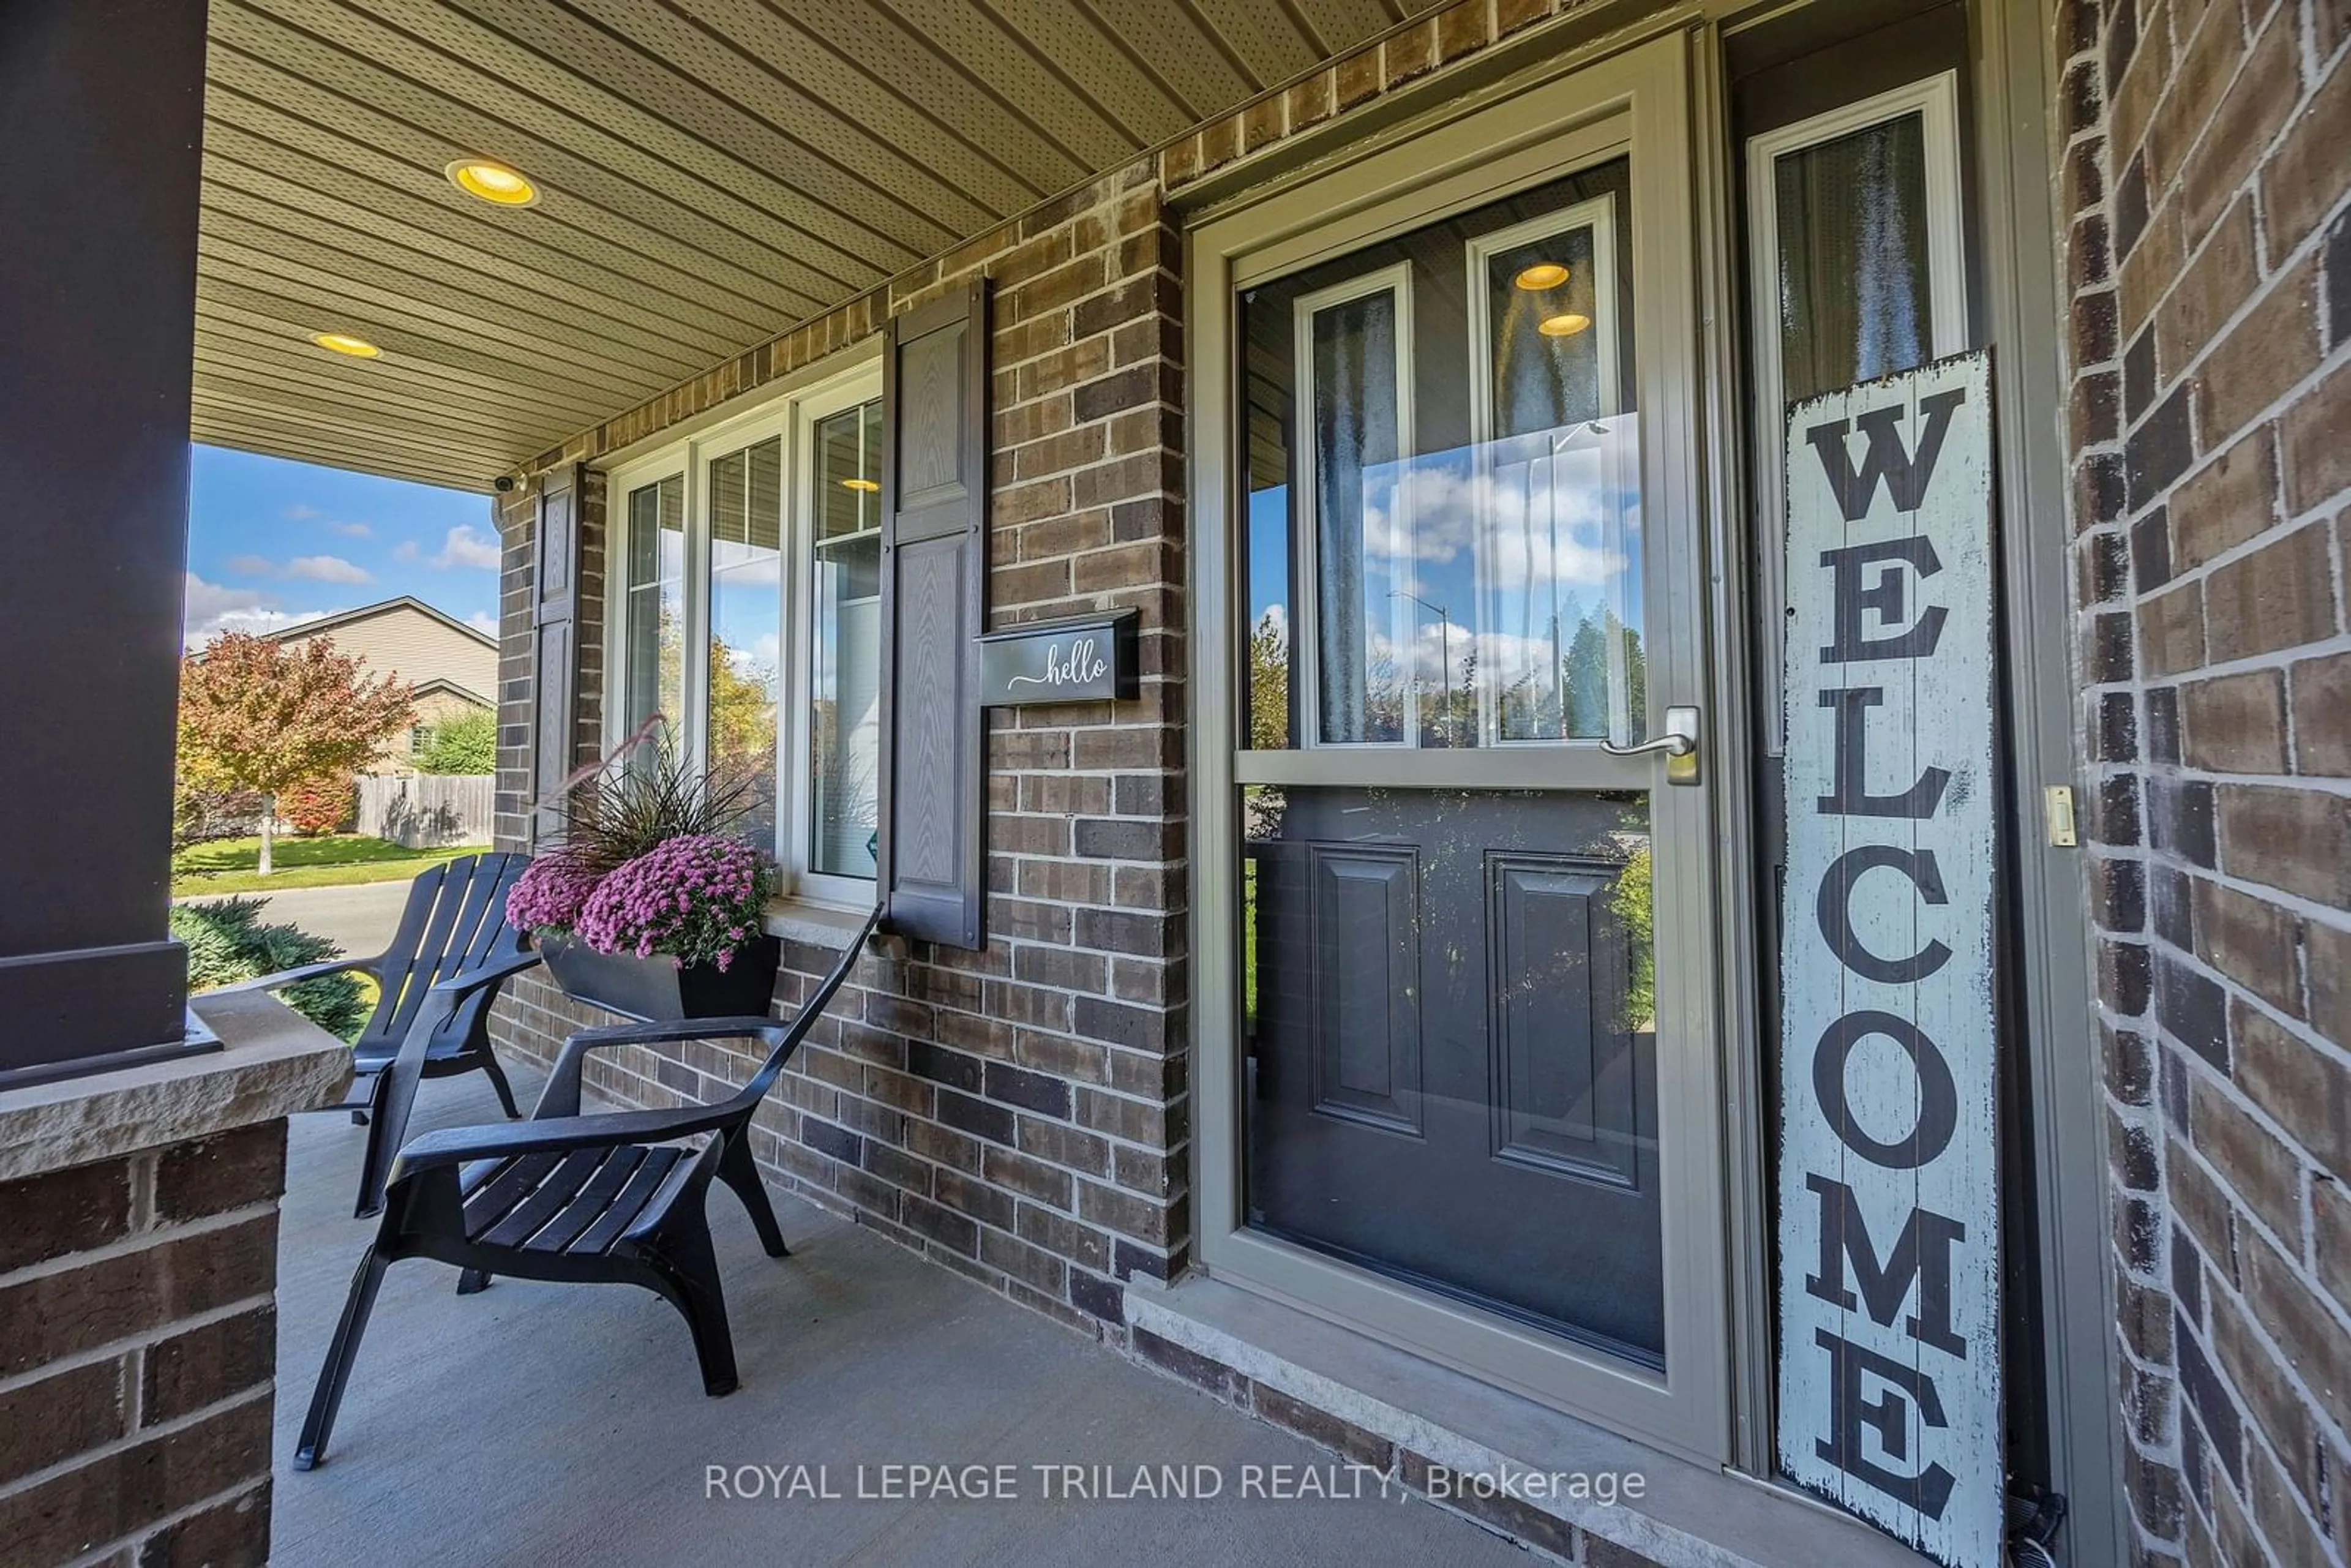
pixel 659 988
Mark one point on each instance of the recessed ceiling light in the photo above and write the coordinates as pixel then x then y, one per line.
pixel 862 487
pixel 344 343
pixel 1567 324
pixel 492 183
pixel 1542 274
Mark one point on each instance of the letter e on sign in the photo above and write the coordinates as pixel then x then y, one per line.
pixel 1889 1370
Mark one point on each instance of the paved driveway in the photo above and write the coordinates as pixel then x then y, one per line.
pixel 360 920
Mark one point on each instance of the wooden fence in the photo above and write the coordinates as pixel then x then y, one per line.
pixel 424 810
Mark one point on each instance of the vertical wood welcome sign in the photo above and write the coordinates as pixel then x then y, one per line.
pixel 1889 1349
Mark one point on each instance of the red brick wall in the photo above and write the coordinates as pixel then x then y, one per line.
pixel 1018 1113
pixel 2210 259
pixel 516 513
pixel 138 1354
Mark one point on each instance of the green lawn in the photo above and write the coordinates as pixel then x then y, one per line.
pixel 225 865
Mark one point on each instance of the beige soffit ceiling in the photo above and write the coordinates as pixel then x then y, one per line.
pixel 711 170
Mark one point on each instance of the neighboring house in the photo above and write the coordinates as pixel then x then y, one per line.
pixel 452 667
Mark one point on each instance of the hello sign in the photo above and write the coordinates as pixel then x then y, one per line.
pixel 1889 1267
pixel 1081 659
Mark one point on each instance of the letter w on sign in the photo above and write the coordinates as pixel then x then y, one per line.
pixel 1889 1220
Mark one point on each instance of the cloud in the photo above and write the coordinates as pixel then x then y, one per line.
pixel 349 530
pixel 1550 525
pixel 758 663
pixel 484 622
pixel 327 568
pixel 464 546
pixel 211 609
pixel 251 566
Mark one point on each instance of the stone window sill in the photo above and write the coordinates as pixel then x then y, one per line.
pixel 818 925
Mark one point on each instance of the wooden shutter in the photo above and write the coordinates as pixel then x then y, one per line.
pixel 934 603
pixel 555 655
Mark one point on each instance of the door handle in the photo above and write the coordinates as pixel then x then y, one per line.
pixel 1678 745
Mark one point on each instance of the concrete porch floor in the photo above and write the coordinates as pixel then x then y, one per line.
pixel 566 1425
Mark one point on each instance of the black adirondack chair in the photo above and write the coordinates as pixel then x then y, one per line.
pixel 454 925
pixel 612 1199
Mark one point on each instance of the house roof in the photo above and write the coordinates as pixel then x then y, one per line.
pixel 369 611
pixel 443 683
pixel 711 173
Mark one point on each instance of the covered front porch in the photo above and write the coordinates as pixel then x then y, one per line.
pixel 729 311
pixel 540 1424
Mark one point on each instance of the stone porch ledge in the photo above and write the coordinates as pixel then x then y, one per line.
pixel 274 1063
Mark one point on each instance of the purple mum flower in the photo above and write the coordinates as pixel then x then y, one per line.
pixel 695 897
pixel 549 894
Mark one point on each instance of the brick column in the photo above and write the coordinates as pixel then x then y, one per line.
pixel 137 1349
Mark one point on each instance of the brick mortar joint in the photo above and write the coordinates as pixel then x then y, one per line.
pixel 2224 1085
pixel 2307 910
pixel 177 1517
pixel 136 1435
pixel 143 1241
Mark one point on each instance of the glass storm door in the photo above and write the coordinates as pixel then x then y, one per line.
pixel 1471 963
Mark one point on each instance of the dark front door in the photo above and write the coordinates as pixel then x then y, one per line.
pixel 1450 848
pixel 1456 1078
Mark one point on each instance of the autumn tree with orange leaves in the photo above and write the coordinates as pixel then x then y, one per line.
pixel 257 715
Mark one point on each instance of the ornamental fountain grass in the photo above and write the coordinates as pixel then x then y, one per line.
pixel 648 905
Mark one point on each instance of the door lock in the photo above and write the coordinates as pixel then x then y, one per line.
pixel 1678 745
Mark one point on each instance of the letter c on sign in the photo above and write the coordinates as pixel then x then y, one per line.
pixel 1939 1099
pixel 1835 912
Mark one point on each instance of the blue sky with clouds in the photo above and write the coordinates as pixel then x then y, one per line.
pixel 271 543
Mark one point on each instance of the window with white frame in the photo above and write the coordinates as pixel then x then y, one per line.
pixel 1856 271
pixel 758 543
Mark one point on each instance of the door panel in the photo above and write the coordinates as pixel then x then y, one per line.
pixel 1454 1045
pixel 1364 931
pixel 1456 1074
pixel 1563 1023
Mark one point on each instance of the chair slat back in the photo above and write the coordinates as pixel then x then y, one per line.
pixel 423 891
pixel 464 924
pixel 456 918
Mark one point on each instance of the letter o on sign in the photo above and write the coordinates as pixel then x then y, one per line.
pixel 1938 1100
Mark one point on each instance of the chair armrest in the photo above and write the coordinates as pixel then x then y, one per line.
pixel 560 1094
pixel 556 1135
pixel 301 973
pixel 495 971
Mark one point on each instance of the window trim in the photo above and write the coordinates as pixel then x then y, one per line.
pixel 1597 214
pixel 839 395
pixel 843 380
pixel 1306 657
pixel 1935 100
